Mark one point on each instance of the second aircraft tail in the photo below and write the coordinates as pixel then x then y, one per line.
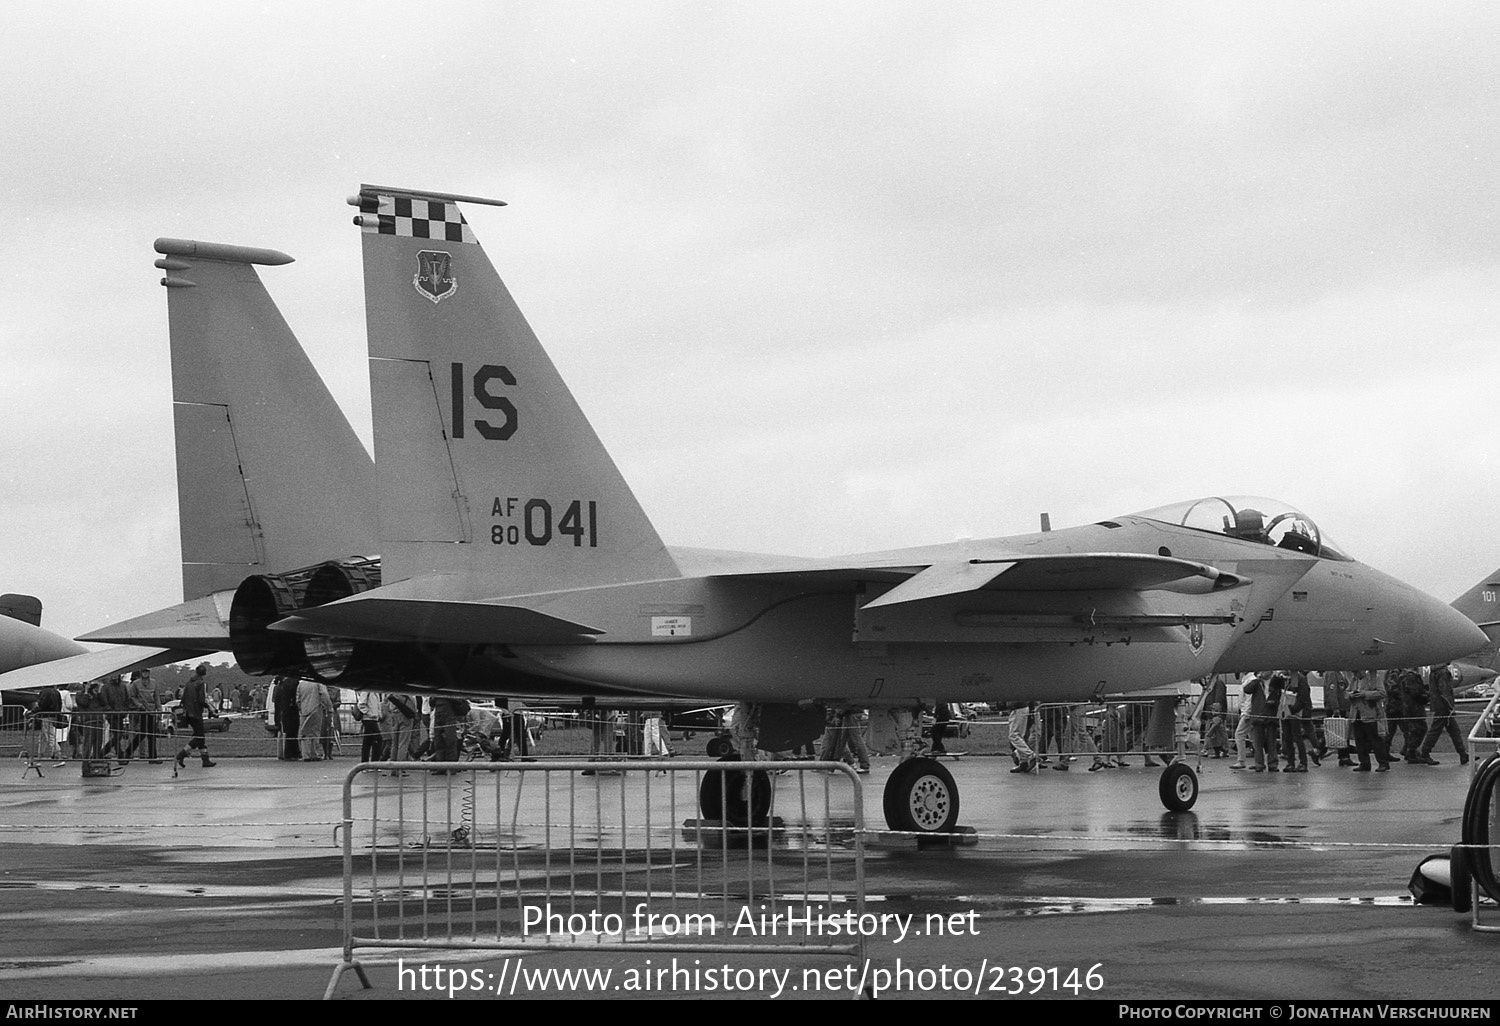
pixel 270 475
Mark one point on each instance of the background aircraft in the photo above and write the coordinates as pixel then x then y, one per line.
pixel 253 495
pixel 1481 604
pixel 22 639
pixel 514 550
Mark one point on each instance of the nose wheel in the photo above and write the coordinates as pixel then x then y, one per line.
pixel 1178 787
pixel 921 797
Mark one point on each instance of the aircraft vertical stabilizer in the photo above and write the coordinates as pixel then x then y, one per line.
pixel 270 476
pixel 486 466
pixel 1481 603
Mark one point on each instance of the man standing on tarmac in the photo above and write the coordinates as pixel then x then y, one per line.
pixel 284 701
pixel 1366 699
pixel 312 701
pixel 145 705
pixel 48 716
pixel 194 705
pixel 117 701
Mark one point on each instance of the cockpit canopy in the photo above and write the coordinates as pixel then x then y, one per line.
pixel 1250 518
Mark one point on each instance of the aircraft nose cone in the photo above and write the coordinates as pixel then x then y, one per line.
pixel 1448 634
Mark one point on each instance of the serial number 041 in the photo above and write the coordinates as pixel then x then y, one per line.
pixel 535 523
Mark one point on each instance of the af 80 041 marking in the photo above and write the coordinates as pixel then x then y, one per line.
pixel 535 526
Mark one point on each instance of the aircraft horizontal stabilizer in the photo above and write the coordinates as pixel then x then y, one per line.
pixel 1097 571
pixel 369 618
pixel 199 626
pixel 91 666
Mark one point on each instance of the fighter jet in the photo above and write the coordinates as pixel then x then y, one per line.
pixel 512 549
pixel 22 639
pixel 32 657
pixel 1481 604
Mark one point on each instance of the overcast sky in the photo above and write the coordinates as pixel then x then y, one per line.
pixel 826 277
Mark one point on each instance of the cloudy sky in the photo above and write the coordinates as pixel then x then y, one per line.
pixel 826 276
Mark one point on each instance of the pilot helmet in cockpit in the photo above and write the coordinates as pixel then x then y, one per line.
pixel 1249 524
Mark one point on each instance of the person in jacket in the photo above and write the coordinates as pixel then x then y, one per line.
pixel 1441 703
pixel 332 726
pixel 49 715
pixel 117 715
pixel 1366 709
pixel 400 721
pixel 447 717
pixel 1296 722
pixel 284 702
pixel 145 713
pixel 1336 708
pixel 368 710
pixel 194 707
pixel 1262 717
pixel 1403 713
pixel 312 708
pixel 91 712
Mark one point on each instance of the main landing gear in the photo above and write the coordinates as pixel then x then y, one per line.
pixel 738 797
pixel 921 797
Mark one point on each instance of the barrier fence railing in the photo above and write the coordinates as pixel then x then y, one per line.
pixel 1481 812
pixel 602 856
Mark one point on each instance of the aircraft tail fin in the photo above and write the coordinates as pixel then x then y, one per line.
pixel 1481 603
pixel 486 466
pixel 270 476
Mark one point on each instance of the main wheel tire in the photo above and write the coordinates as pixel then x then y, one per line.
pixel 719 747
pixel 921 797
pixel 727 796
pixel 1178 787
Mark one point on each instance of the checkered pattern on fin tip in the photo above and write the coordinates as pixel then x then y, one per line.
pixel 415 218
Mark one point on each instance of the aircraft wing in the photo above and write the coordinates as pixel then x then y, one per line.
pixel 91 666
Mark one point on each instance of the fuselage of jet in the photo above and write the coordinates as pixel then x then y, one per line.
pixel 1076 614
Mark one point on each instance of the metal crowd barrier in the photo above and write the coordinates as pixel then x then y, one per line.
pixel 1485 734
pixel 1481 814
pixel 601 856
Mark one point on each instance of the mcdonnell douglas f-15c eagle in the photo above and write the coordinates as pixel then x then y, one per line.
pixel 512 551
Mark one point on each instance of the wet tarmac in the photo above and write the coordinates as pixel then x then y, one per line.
pixel 226 882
